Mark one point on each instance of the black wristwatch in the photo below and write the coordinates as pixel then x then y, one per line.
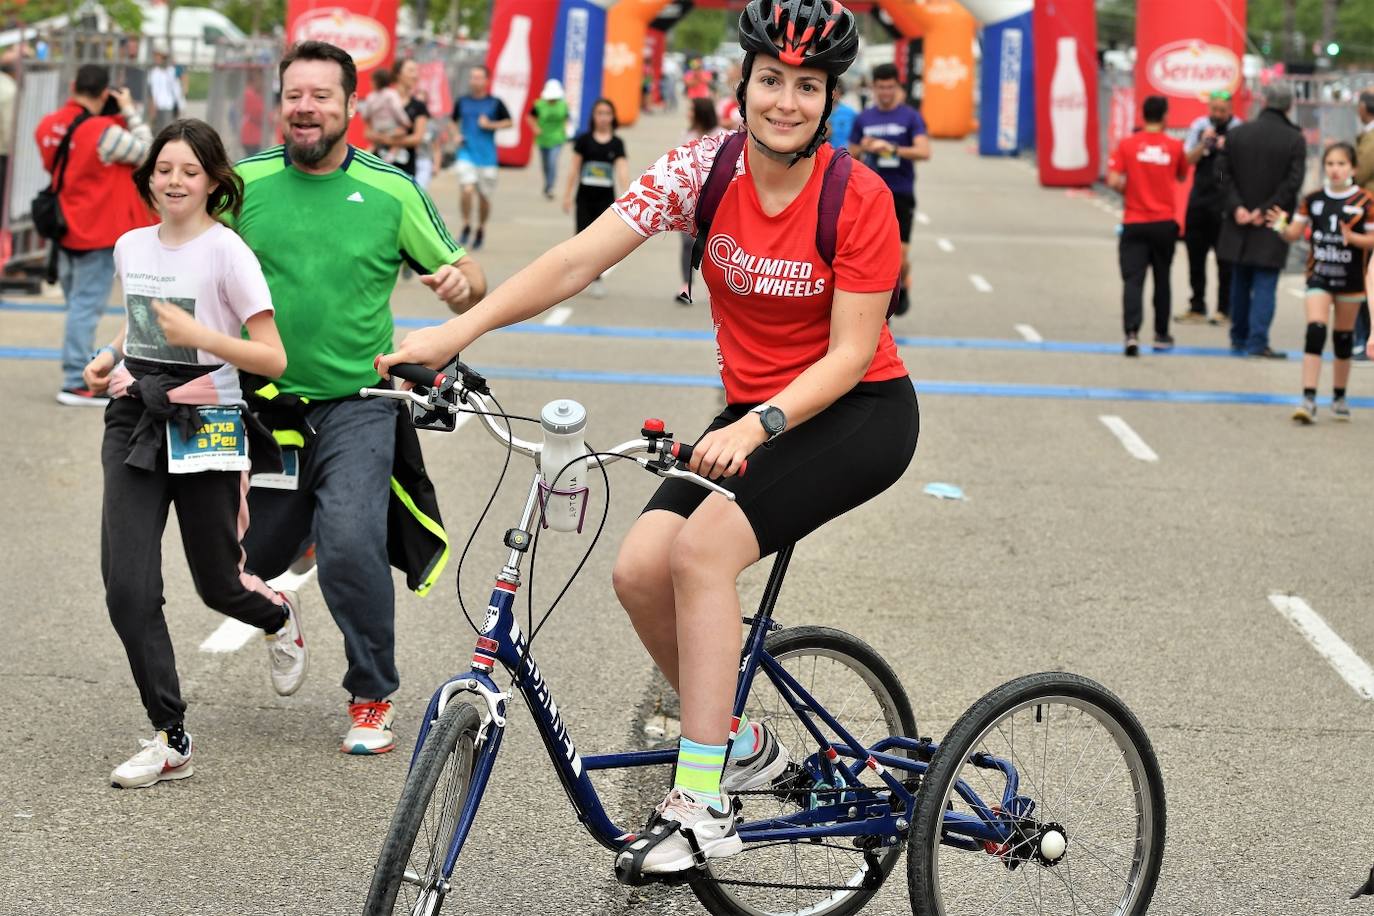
pixel 773 419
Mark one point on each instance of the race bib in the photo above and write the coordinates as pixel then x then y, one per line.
pixel 597 175
pixel 218 445
pixel 288 479
pixel 889 162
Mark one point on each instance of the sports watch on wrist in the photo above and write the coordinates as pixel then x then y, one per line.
pixel 773 419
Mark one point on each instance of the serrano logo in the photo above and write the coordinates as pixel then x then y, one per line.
pixel 366 39
pixel 746 273
pixel 1191 68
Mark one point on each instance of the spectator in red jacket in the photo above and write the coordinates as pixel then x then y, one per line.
pixel 99 202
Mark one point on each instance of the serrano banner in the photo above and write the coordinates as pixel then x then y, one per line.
pixel 363 28
pixel 1066 92
pixel 577 55
pixel 1187 50
pixel 521 33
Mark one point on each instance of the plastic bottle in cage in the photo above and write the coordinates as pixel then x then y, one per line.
pixel 563 422
pixel 1068 109
pixel 511 78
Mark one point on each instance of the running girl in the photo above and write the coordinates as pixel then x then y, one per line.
pixel 1342 218
pixel 175 432
pixel 598 168
pixel 809 367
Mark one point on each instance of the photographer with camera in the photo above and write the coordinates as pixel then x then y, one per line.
pixel 1205 140
pixel 99 138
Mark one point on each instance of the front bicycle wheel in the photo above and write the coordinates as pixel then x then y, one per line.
pixel 832 876
pixel 1062 770
pixel 408 876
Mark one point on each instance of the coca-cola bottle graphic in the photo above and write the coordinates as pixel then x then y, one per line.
pixel 511 80
pixel 1068 109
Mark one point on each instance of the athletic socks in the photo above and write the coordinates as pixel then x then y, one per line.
pixel 1311 394
pixel 176 738
pixel 1338 393
pixel 698 771
pixel 746 739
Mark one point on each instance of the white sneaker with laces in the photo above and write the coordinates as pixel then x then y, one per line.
pixel 154 762
pixel 665 849
pixel 759 769
pixel 371 731
pixel 286 653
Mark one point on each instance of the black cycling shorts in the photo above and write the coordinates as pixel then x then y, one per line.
pixel 906 210
pixel 847 454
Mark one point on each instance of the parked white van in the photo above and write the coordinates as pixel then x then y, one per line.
pixel 196 31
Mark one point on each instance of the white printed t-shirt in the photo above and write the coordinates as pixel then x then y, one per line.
pixel 214 277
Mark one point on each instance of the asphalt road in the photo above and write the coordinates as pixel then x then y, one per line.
pixel 1152 576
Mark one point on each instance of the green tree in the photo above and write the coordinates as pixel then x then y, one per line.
pixel 1291 35
pixel 125 13
pixel 700 32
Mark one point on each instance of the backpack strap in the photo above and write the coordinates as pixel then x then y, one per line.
pixel 722 173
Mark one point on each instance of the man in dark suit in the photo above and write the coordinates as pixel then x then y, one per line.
pixel 1261 167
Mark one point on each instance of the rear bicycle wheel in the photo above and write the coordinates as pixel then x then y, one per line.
pixel 407 878
pixel 1087 833
pixel 829 877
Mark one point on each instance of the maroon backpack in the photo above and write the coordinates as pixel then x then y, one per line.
pixel 833 186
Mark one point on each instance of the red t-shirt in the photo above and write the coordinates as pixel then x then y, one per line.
pixel 771 291
pixel 1153 162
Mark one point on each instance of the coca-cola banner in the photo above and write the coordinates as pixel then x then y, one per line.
pixel 577 55
pixel 1066 92
pixel 1186 50
pixel 366 29
pixel 521 33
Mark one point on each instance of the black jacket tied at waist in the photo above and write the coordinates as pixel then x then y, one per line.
pixel 151 391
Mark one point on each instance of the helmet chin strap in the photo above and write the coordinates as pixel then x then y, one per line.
pixel 787 159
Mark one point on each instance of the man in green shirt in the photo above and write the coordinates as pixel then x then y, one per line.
pixel 548 118
pixel 331 226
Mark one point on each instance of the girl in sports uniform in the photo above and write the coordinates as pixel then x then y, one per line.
pixel 818 400
pixel 1341 216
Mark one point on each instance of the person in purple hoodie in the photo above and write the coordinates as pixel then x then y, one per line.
pixel 891 136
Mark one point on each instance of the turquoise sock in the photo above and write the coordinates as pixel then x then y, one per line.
pixel 746 740
pixel 698 770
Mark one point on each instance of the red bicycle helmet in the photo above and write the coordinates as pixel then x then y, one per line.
pixel 803 33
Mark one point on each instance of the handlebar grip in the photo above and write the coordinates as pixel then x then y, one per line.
pixel 683 453
pixel 419 375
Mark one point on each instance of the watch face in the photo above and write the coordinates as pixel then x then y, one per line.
pixel 774 421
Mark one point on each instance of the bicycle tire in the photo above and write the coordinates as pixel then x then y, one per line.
pixel 449 747
pixel 791 646
pixel 943 879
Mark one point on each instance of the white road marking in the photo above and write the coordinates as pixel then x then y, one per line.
pixel 1029 333
pixel 1354 670
pixel 923 219
pixel 979 283
pixel 1129 439
pixel 232 635
pixel 945 245
pixel 559 315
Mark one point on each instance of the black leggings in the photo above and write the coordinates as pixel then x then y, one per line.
pixel 844 456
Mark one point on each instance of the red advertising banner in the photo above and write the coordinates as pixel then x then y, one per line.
pixel 518 56
pixel 1066 92
pixel 1186 50
pixel 433 82
pixel 366 29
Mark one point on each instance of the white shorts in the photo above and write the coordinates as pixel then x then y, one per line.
pixel 484 176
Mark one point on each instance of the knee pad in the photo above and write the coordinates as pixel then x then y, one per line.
pixel 1316 338
pixel 1342 344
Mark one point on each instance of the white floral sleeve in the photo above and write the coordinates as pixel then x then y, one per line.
pixel 664 198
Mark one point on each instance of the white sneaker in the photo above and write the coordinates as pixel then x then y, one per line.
pixel 371 731
pixel 759 769
pixel 152 764
pixel 286 654
pixel 665 848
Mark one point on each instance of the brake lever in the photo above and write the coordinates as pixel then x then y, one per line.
pixel 396 394
pixel 662 470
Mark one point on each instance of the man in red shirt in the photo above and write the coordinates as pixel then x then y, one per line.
pixel 1144 168
pixel 99 202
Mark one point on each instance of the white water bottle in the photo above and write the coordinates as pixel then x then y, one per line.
pixel 1068 109
pixel 563 421
pixel 511 79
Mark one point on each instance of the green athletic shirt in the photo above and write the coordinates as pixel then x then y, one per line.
pixel 330 247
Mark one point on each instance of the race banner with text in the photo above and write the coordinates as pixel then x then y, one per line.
pixel 366 29
pixel 576 58
pixel 1187 50
pixel 1066 92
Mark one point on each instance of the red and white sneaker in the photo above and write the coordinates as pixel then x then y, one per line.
pixel 152 764
pixel 286 650
pixel 371 731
